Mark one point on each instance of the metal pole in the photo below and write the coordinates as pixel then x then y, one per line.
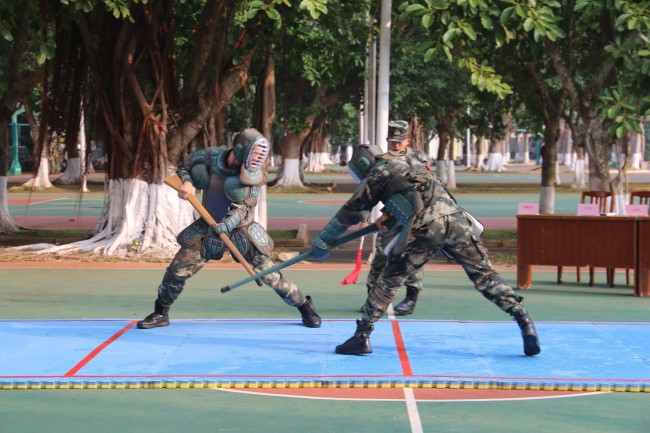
pixel 383 90
pixel 15 169
pixel 469 139
pixel 371 101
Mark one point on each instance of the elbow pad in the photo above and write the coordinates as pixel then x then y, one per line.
pixel 196 165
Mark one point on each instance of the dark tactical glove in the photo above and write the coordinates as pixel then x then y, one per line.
pixel 228 224
pixel 319 249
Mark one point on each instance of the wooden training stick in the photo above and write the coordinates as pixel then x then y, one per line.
pixel 175 182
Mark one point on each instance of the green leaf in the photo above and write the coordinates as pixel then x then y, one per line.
pixel 427 20
pixel 528 24
pixel 273 14
pixel 415 8
pixel 486 22
pixel 449 35
pixel 620 132
pixel 430 54
pixel 556 31
pixel 612 112
pixel 447 51
pixel 506 15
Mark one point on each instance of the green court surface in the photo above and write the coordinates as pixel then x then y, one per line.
pixel 279 205
pixel 120 291
pixel 60 290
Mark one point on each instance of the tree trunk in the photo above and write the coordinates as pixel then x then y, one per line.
pixel 7 223
pixel 289 174
pixel 598 148
pixel 496 161
pixel 263 118
pixel 549 165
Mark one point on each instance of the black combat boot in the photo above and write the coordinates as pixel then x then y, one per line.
pixel 359 343
pixel 310 317
pixel 159 317
pixel 407 306
pixel 528 333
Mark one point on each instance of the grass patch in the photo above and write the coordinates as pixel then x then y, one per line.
pixel 283 234
pixel 499 234
pixel 503 259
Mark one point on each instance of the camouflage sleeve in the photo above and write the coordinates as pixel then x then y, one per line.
pixel 182 172
pixel 364 199
pixel 419 156
pixel 194 168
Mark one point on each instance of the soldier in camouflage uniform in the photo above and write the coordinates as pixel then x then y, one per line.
pixel 230 180
pixel 397 143
pixel 431 221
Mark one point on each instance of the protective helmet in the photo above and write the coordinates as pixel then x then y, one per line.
pixel 398 130
pixel 363 159
pixel 251 148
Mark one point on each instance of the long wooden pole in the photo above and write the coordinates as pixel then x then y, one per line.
pixel 175 182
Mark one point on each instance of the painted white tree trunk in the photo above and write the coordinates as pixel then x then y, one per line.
pixel 7 223
pixel 261 210
pixel 495 162
pixel 317 161
pixel 75 168
pixel 579 178
pixel 42 178
pixel 73 172
pixel 451 175
pixel 547 200
pixel 441 171
pixel 139 219
pixel 290 174
pixel 558 181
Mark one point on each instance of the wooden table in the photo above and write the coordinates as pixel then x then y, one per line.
pixel 597 241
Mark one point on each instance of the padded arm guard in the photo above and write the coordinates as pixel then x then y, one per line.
pixel 229 223
pixel 332 231
pixel 196 169
pixel 237 214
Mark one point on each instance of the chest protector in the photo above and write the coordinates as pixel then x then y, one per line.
pixel 224 186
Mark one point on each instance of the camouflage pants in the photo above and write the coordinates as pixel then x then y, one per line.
pixel 189 260
pixel 413 281
pixel 455 235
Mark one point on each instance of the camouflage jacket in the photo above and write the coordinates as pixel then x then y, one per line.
pixel 399 174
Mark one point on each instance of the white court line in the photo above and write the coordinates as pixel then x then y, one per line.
pixel 44 201
pixel 412 409
pixel 409 397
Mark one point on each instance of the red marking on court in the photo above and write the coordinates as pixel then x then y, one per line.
pixel 420 394
pixel 401 350
pixel 98 349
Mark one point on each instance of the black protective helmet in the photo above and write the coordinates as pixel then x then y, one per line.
pixel 363 160
pixel 245 142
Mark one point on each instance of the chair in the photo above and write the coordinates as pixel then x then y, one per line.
pixel 601 198
pixel 642 196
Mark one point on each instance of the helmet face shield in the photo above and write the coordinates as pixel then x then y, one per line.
pixel 354 175
pixel 257 153
pixel 363 160
pixel 251 149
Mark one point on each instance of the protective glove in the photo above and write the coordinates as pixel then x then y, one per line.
pixel 228 224
pixel 319 249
